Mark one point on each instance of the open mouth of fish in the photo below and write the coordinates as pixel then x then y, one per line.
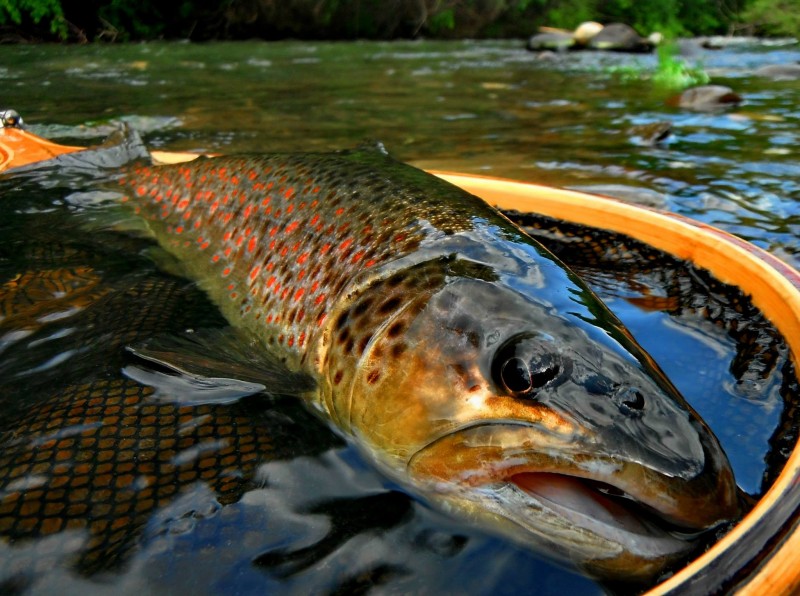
pixel 594 503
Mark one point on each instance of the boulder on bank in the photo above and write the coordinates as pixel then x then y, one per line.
pixel 553 41
pixel 616 37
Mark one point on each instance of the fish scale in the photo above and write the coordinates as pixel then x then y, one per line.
pixel 281 241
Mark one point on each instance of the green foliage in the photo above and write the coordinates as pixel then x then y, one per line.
pixel 214 19
pixel 441 21
pixel 15 11
pixel 671 73
pixel 774 17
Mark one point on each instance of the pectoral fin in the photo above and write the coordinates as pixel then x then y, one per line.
pixel 212 366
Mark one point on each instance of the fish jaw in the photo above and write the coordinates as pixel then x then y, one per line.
pixel 611 518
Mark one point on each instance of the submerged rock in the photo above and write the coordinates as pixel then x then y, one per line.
pixel 783 72
pixel 705 98
pixel 651 134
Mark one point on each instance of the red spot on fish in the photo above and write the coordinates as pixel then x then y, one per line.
pixel 340 210
pixel 314 220
pixel 205 245
pixel 302 258
pixel 292 227
pixel 314 286
pixel 321 319
pixel 357 257
pixel 251 246
pixel 325 249
pixel 291 341
pixel 179 230
pixel 183 204
pixel 302 339
pixel 228 250
pixel 141 191
pixel 214 207
pixel 299 294
pixel 343 246
pixel 319 299
pixel 215 258
pixel 254 272
pixel 226 272
pixel 270 281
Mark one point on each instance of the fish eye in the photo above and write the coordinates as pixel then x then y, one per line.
pixel 523 365
pixel 516 376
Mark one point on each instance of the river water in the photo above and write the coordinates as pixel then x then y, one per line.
pixel 486 107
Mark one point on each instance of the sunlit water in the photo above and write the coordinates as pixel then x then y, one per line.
pixel 486 107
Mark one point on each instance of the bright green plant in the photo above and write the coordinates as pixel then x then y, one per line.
pixel 673 73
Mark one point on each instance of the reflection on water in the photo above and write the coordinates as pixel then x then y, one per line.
pixel 105 490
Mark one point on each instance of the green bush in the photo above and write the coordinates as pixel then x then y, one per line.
pixel 774 17
pixel 17 11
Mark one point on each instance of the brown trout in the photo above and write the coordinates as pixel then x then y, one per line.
pixel 459 354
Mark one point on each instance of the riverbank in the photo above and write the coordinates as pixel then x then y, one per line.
pixel 125 20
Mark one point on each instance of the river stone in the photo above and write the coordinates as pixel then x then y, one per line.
pixel 705 98
pixel 652 133
pixel 618 37
pixel 551 41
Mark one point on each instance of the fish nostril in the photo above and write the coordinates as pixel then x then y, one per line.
pixel 630 400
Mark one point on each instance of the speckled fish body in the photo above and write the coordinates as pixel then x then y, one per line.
pixel 465 359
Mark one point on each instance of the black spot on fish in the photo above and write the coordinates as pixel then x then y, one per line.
pixel 389 305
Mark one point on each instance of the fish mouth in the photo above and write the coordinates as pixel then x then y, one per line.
pixel 611 517
pixel 596 503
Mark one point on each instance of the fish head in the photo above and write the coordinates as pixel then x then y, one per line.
pixel 541 418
